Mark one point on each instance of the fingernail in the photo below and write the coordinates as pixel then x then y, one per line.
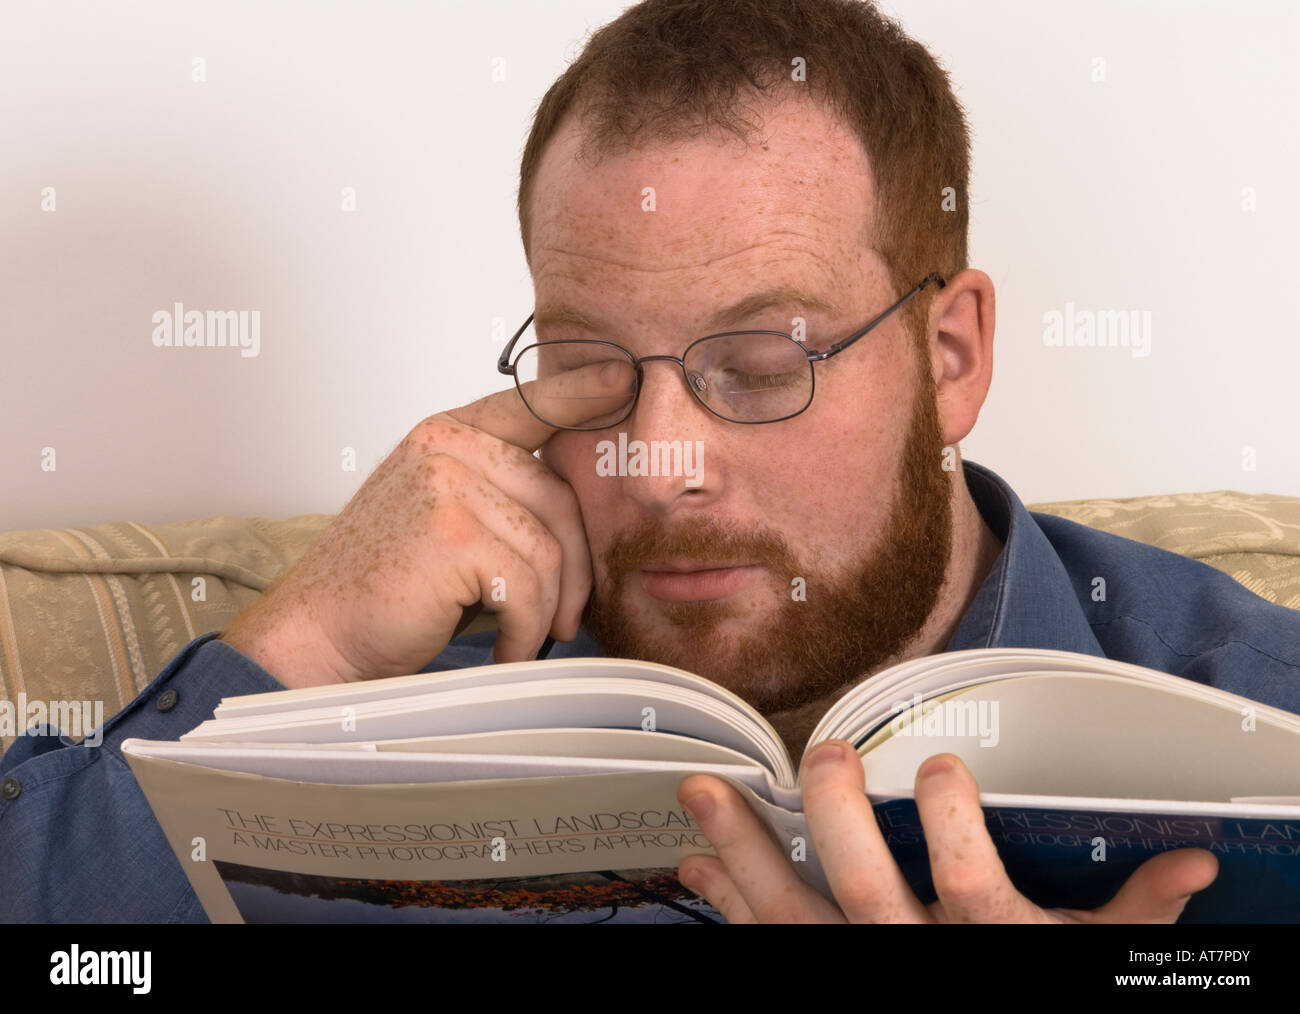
pixel 939 765
pixel 826 753
pixel 700 806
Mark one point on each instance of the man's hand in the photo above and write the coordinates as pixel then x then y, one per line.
pixel 751 880
pixel 459 510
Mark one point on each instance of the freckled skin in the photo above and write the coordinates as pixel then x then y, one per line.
pixel 727 219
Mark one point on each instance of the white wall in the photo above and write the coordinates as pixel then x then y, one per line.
pixel 1115 195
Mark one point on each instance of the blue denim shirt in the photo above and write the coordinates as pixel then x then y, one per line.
pixel 79 843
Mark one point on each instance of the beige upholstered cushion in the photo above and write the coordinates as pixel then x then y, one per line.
pixel 94 613
pixel 1255 537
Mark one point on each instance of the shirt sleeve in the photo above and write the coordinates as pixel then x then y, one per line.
pixel 78 840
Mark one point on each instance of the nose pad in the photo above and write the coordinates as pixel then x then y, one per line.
pixel 697 381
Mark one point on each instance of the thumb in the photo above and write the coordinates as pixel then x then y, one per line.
pixel 529 414
pixel 1160 888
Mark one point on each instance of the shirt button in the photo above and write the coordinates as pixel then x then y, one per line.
pixel 11 788
pixel 167 700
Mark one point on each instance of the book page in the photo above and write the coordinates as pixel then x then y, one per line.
pixel 558 703
pixel 1090 736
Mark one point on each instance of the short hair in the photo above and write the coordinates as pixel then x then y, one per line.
pixel 671 69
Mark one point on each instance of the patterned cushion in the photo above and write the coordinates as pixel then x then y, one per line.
pixel 94 613
pixel 1255 537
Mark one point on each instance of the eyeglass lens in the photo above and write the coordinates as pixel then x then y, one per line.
pixel 747 377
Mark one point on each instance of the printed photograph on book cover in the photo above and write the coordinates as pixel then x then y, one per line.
pixel 603 896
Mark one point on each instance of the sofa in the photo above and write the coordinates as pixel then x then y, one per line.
pixel 93 613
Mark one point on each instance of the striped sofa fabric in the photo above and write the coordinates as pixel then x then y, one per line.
pixel 94 613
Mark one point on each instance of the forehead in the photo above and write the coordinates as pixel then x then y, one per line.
pixel 698 218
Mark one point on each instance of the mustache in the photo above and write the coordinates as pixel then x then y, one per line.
pixel 704 541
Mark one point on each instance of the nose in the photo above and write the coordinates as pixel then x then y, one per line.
pixel 668 434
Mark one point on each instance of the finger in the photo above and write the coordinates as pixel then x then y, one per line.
pixel 517 572
pixel 571 398
pixel 866 882
pixel 758 869
pixel 707 877
pixel 1160 888
pixel 521 618
pixel 468 615
pixel 486 548
pixel 969 878
pixel 520 476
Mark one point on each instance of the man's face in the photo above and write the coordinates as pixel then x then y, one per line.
pixel 812 550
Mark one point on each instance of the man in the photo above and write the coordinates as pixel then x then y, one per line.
pixel 669 192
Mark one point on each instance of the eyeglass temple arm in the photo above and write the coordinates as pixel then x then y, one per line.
pixel 503 363
pixel 840 346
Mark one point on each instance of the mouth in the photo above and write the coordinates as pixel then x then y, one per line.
pixel 685 581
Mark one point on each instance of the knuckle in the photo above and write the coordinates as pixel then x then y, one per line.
pixel 424 434
pixel 549 552
pixel 432 432
pixel 443 471
pixel 454 523
pixel 724 838
pixel 963 880
pixel 786 910
pixel 532 590
pixel 857 894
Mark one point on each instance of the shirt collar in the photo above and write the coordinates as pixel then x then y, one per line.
pixel 1027 600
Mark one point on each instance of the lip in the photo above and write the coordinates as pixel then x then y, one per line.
pixel 683 581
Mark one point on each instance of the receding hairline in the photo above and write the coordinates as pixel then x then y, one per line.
pixel 591 148
pixel 682 68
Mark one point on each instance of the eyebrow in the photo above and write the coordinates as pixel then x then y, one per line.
pixel 736 313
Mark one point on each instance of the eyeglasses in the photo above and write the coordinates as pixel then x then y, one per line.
pixel 749 377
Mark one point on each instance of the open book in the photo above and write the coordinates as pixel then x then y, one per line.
pixel 546 790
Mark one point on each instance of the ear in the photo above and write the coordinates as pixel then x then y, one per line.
pixel 961 353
